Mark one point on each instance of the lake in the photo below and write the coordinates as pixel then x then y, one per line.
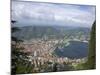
pixel 76 49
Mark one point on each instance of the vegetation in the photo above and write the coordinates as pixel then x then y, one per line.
pixel 52 32
pixel 19 64
pixel 91 62
pixel 64 48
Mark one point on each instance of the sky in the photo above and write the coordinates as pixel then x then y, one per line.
pixel 28 13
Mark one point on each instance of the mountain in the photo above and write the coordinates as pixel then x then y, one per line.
pixel 30 32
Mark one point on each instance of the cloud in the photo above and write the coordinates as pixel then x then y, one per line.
pixel 36 13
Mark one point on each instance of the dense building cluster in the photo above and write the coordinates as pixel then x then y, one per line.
pixel 41 53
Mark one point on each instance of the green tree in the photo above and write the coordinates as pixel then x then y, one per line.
pixel 55 67
pixel 19 60
pixel 91 62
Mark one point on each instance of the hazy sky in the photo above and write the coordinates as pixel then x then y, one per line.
pixel 37 13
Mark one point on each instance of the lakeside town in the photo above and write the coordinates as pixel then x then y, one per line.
pixel 41 52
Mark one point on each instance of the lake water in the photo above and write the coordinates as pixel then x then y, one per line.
pixel 75 49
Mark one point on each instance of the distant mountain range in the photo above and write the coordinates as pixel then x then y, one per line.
pixel 30 32
pixel 75 49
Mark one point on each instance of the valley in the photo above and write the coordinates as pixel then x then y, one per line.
pixel 50 47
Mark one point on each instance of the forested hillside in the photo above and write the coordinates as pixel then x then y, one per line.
pixel 92 48
pixel 51 32
pixel 91 62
